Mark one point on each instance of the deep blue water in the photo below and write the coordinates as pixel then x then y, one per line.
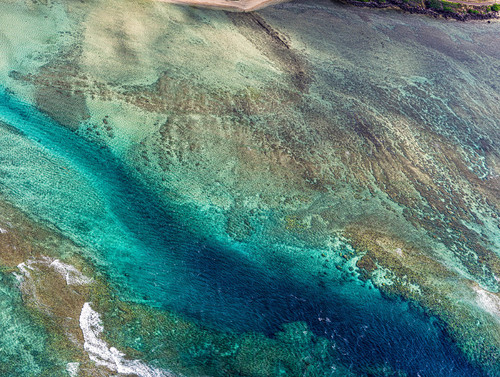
pixel 149 250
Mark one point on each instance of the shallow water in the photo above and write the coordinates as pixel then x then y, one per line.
pixel 147 252
pixel 413 80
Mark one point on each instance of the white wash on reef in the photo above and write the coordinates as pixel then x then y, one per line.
pixel 109 357
pixel 490 302
pixel 69 272
pixel 24 267
pixel 72 369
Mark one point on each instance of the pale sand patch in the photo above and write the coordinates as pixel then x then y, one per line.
pixel 128 43
pixel 235 5
pixel 43 30
pixel 488 301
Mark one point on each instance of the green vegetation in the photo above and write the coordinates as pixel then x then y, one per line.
pixel 435 4
pixel 446 6
pixel 443 6
pixel 451 7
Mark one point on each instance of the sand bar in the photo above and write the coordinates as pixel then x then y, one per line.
pixel 233 5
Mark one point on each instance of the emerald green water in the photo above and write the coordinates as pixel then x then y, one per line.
pixel 378 82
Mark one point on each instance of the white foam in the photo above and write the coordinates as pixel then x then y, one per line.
pixel 110 357
pixel 488 301
pixel 72 369
pixel 23 267
pixel 70 273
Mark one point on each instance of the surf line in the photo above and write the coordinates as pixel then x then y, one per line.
pixel 109 357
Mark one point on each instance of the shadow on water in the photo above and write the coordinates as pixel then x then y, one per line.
pixel 147 249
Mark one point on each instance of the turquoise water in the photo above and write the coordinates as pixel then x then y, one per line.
pixel 395 125
pixel 148 251
pixel 23 344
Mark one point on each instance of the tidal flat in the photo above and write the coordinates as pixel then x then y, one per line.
pixel 311 189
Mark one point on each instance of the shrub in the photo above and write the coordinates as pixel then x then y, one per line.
pixel 450 7
pixel 495 7
pixel 435 4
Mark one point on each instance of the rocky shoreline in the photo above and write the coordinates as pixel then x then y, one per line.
pixel 461 12
pixel 434 8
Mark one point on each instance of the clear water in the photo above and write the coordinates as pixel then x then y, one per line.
pixel 147 251
pixel 23 344
pixel 170 256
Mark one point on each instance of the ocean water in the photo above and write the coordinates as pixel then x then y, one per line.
pixel 23 344
pixel 146 249
pixel 174 255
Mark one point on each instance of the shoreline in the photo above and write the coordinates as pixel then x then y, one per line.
pixel 460 11
pixel 436 13
pixel 227 5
